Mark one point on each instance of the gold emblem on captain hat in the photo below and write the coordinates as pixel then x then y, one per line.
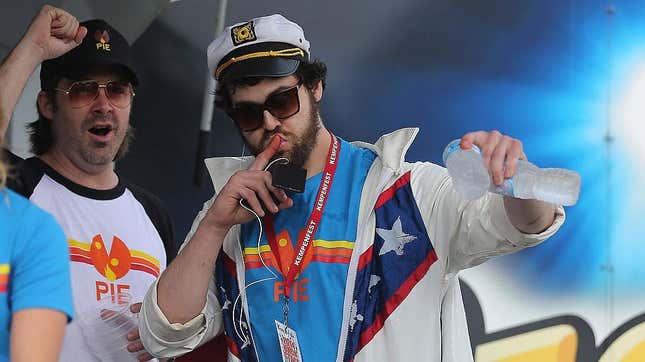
pixel 243 33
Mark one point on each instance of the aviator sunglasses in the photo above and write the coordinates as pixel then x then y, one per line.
pixel 84 92
pixel 281 105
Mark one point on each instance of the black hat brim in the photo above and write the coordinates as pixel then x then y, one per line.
pixel 52 71
pixel 261 67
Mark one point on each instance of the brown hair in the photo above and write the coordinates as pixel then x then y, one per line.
pixel 308 73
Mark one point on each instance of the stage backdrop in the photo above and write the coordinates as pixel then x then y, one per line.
pixel 567 77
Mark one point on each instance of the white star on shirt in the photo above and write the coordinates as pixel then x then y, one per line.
pixel 394 239
pixel 354 316
pixel 374 279
pixel 227 302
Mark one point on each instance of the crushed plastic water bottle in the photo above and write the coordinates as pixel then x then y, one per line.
pixel 468 173
pixel 471 179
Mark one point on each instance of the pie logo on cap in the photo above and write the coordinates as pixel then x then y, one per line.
pixel 243 33
pixel 102 40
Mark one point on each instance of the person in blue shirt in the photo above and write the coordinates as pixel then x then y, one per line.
pixel 35 290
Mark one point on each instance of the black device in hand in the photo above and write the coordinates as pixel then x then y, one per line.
pixel 286 177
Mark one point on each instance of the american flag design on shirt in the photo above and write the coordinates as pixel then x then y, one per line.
pixel 401 255
pixel 236 327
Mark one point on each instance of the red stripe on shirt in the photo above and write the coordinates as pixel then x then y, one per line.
pixel 330 259
pixel 396 299
pixel 366 258
pixel 81 259
pixel 142 261
pixel 79 251
pixel 229 265
pixel 389 193
pixel 232 346
pixel 145 269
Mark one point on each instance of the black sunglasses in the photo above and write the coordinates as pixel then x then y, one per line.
pixel 281 105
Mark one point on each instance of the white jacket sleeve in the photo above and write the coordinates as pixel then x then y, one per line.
pixel 164 339
pixel 467 233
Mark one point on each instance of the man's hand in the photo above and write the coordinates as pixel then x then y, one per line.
pixel 499 152
pixel 252 185
pixel 135 345
pixel 54 32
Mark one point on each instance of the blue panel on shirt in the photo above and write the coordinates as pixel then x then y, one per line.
pixel 315 310
pixel 34 263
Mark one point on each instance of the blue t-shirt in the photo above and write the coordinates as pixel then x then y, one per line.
pixel 34 263
pixel 316 306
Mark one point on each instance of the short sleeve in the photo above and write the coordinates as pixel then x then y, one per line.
pixel 40 272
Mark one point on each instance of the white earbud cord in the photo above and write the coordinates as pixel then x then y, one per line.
pixel 240 333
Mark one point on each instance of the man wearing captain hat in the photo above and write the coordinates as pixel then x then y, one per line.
pixel 358 259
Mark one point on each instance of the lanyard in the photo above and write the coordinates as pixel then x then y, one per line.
pixel 305 238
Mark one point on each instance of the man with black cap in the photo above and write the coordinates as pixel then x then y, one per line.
pixel 119 235
pixel 318 249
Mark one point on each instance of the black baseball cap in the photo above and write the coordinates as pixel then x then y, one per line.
pixel 102 45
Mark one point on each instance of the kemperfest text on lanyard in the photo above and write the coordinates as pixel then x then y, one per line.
pixel 305 239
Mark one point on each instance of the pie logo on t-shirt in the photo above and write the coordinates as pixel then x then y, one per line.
pixel 115 263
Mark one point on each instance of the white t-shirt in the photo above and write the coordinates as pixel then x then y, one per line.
pixel 117 242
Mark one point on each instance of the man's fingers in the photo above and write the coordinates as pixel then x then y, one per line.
pixel 267 200
pixel 499 152
pixel 144 357
pixel 250 200
pixel 498 159
pixel 80 34
pixel 61 20
pixel 514 153
pixel 262 159
pixel 135 346
pixel 473 138
pixel 138 347
pixel 487 144
pixel 65 28
pixel 279 193
pixel 135 308
pixel 133 335
pixel 285 204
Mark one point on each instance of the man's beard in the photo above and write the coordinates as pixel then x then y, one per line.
pixel 302 145
pixel 90 155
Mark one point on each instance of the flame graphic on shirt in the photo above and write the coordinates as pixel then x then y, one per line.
pixel 120 260
pixel 101 36
pixel 321 251
pixel 114 265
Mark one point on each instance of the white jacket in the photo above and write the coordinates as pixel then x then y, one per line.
pixel 426 320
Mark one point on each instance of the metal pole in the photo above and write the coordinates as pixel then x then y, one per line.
pixel 203 141
pixel 608 266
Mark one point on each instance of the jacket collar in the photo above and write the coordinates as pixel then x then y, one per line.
pixel 391 149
